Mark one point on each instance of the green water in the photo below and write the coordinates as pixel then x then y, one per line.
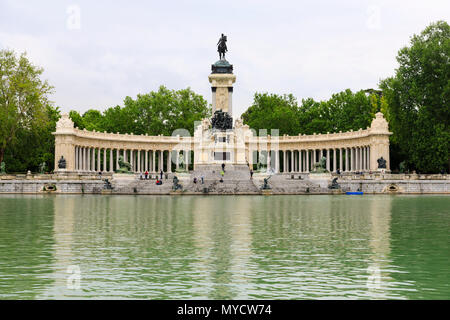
pixel 225 247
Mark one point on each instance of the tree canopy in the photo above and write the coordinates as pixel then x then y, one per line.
pixel 26 114
pixel 157 112
pixel 418 100
pixel 343 111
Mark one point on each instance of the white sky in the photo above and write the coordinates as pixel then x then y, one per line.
pixel 95 53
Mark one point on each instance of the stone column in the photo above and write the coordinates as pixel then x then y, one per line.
pixel 139 160
pixel 177 164
pixel 153 160
pixel 334 160
pixel 169 161
pixel 300 161
pixel 340 159
pixel 104 160
pixel 80 158
pixel 269 160
pixel 364 158
pixel 117 158
pixel 277 161
pixel 352 165
pixel 88 162
pixel 92 159
pixel 125 155
pixel 132 161
pixel 111 160
pixel 291 169
pixel 328 160
pixel 187 159
pixel 358 158
pixel 368 158
pixel 146 161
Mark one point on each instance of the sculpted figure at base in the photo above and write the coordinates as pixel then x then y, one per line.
pixel 175 185
pixel 381 163
pixel 42 168
pixel 124 167
pixel 62 163
pixel 334 185
pixel 221 120
pixel 266 184
pixel 320 167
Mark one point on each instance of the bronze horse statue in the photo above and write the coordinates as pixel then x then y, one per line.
pixel 222 46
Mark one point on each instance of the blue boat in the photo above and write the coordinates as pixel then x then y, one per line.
pixel 354 192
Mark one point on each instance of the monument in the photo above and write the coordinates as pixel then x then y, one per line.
pixel 223 138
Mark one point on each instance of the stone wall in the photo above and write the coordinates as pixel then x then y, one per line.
pixel 281 184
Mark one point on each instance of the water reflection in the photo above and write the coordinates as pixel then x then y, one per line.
pixel 218 247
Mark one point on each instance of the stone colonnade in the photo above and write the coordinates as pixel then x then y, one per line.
pixel 96 159
pixel 353 151
pixel 354 159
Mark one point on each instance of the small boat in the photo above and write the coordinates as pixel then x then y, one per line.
pixel 354 192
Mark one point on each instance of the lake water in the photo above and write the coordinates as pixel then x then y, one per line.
pixel 224 247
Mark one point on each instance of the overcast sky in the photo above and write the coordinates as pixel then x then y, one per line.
pixel 95 53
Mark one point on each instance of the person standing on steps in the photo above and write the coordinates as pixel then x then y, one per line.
pixel 161 174
pixel 223 167
pixel 251 174
pixel 146 175
pixel 203 180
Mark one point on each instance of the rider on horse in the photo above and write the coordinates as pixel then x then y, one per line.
pixel 222 46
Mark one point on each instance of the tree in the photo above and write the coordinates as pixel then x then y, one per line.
pixel 343 111
pixel 20 157
pixel 272 111
pixel 23 98
pixel 157 112
pixel 418 99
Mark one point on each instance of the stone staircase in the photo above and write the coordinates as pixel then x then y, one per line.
pixel 137 186
pixel 285 185
pixel 235 181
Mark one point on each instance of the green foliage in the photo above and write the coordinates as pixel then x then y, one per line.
pixel 157 112
pixel 32 147
pixel 25 113
pixel 271 111
pixel 418 99
pixel 343 111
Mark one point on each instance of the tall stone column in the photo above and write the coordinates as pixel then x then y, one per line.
pixel 277 161
pixel 88 159
pixel 368 159
pixel 269 165
pixel 292 161
pixel 169 161
pixel 133 168
pixel 98 160
pixel 187 159
pixel 364 158
pixel 177 163
pixel 153 160
pixel 117 158
pixel 104 160
pixel 352 168
pixel 111 160
pixel 125 155
pixel 139 160
pixel 300 161
pixel 93 160
pixel 328 160
pixel 222 79
pixel 146 160
pixel 340 159
pixel 334 160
